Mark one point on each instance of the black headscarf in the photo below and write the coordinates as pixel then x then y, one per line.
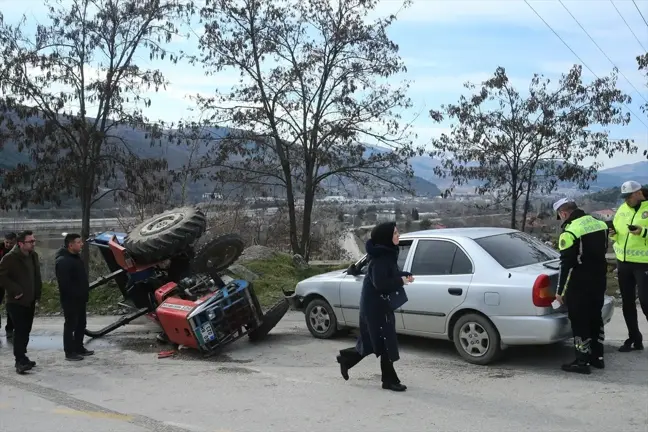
pixel 382 234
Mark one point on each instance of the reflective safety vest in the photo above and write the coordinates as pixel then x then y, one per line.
pixel 630 247
pixel 576 230
pixel 583 244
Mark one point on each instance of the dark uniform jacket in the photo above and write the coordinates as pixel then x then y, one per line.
pixel 20 274
pixel 71 277
pixel 3 252
pixel 377 319
pixel 583 245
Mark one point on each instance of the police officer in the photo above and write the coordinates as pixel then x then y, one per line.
pixel 582 282
pixel 630 236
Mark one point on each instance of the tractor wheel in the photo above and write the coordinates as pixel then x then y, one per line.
pixel 216 253
pixel 165 235
pixel 270 320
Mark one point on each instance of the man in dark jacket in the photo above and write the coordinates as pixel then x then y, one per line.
pixel 9 243
pixel 582 282
pixel 20 276
pixel 73 290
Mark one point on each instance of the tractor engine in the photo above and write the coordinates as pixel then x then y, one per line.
pixel 198 312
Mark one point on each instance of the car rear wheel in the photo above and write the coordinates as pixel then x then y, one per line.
pixel 476 339
pixel 320 319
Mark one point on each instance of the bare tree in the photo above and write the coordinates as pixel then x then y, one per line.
pixel 313 102
pixel 515 144
pixel 642 61
pixel 72 91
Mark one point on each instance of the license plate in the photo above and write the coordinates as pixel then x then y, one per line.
pixel 207 332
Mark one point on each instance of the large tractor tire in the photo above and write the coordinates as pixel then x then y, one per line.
pixel 270 320
pixel 216 253
pixel 165 235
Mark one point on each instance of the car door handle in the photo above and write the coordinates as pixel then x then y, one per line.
pixel 455 291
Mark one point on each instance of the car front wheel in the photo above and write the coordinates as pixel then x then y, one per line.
pixel 476 339
pixel 320 319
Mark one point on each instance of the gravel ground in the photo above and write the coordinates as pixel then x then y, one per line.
pixel 290 382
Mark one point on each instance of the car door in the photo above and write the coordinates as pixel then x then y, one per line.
pixel 442 274
pixel 351 287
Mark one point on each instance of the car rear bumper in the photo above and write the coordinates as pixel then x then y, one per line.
pixel 540 330
pixel 296 302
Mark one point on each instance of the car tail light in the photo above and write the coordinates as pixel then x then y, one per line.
pixel 542 293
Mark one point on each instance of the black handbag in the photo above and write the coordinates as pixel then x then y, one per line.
pixel 397 298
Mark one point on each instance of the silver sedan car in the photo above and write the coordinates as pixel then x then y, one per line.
pixel 482 288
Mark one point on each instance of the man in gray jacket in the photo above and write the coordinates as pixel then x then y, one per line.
pixel 20 277
pixel 5 248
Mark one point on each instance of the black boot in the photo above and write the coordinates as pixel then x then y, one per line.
pixel 85 352
pixel 597 362
pixel 577 366
pixel 348 358
pixel 583 354
pixel 630 345
pixel 73 357
pixel 23 366
pixel 390 379
pixel 344 370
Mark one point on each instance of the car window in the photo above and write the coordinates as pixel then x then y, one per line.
pixel 461 263
pixel 433 257
pixel 516 249
pixel 404 246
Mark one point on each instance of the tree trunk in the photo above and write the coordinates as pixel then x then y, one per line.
pixel 309 200
pixel 292 216
pixel 86 202
pixel 526 204
pixel 513 212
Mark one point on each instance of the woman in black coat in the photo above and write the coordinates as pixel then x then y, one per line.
pixel 384 280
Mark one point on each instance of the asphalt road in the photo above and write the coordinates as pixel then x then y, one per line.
pixel 290 382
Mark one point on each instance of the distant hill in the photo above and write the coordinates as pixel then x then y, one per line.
pixel 606 178
pixel 179 155
pixel 614 177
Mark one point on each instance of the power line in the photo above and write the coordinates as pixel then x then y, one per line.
pixel 601 49
pixel 628 25
pixel 578 57
pixel 639 10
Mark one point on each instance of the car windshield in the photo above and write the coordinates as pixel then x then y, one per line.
pixel 516 249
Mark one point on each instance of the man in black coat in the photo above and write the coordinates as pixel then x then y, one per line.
pixel 5 248
pixel 73 290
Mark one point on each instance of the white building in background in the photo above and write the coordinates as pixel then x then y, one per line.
pixel 212 196
pixel 333 199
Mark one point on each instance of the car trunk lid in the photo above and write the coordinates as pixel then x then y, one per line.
pixel 543 280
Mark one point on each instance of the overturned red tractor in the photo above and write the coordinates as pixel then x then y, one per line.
pixel 169 269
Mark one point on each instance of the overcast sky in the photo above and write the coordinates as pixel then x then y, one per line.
pixel 447 42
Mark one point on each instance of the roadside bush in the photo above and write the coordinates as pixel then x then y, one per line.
pixel 425 224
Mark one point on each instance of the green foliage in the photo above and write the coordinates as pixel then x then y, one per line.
pixel 102 299
pixel 280 272
pixel 608 196
pixel 425 224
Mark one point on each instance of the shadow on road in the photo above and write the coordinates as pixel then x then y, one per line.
pixel 621 368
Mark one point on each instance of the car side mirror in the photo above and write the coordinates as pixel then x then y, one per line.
pixel 352 270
